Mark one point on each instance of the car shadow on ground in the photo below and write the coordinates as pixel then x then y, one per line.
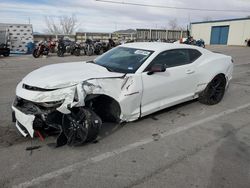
pixel 9 135
pixel 167 110
pixel 110 128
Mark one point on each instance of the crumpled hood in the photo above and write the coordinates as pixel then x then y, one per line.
pixel 66 74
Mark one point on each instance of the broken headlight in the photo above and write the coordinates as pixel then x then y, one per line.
pixel 76 98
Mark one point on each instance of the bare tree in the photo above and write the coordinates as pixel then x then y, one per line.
pixel 173 24
pixel 68 24
pixel 52 26
pixel 64 24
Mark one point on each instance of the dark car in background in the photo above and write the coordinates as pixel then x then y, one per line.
pixel 4 50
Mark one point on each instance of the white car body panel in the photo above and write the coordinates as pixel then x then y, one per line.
pixel 65 75
pixel 138 94
pixel 165 88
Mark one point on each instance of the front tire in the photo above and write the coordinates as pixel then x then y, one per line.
pixel 214 91
pixel 60 53
pixel 81 126
pixel 36 53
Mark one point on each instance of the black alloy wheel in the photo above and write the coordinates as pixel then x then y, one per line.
pixel 214 91
pixel 80 126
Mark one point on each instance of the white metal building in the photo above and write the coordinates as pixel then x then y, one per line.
pixel 223 32
pixel 18 35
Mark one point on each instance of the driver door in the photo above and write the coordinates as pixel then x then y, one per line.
pixel 175 85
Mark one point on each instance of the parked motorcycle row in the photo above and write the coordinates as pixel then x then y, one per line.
pixel 192 41
pixel 62 47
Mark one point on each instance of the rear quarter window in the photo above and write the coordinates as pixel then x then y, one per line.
pixel 194 54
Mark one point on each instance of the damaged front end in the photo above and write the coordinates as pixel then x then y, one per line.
pixel 57 111
pixel 75 111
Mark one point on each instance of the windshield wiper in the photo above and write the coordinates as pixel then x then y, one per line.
pixel 109 69
pixel 90 62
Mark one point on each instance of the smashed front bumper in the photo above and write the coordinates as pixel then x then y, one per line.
pixel 33 110
pixel 29 116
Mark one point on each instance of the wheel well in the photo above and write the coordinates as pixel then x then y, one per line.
pixel 222 75
pixel 106 107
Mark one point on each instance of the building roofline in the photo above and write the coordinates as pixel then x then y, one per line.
pixel 224 20
pixel 49 34
pixel 9 24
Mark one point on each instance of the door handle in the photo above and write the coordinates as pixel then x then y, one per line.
pixel 189 71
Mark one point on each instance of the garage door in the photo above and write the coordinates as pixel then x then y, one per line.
pixel 219 34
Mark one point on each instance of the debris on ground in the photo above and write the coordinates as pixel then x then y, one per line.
pixel 31 148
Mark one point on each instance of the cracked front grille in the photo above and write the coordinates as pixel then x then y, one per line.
pixel 29 107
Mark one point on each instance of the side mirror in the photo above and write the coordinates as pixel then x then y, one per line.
pixel 156 68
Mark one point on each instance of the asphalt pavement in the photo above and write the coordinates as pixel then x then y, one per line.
pixel 190 145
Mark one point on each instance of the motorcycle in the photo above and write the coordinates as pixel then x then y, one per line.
pixel 109 45
pixel 61 48
pixel 89 48
pixel 98 48
pixel 75 49
pixel 191 41
pixel 200 43
pixel 67 46
pixel 41 49
pixel 52 46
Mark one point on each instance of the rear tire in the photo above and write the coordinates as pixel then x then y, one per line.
pixel 214 91
pixel 89 52
pixel 60 53
pixel 77 52
pixel 101 51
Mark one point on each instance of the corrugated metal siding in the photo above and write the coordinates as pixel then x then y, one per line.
pixel 82 36
pixel 156 34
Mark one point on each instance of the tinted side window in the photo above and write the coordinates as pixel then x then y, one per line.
pixel 172 58
pixel 194 54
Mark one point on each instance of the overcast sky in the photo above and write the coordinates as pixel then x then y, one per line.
pixel 97 16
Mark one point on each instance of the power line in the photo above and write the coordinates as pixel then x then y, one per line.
pixel 170 7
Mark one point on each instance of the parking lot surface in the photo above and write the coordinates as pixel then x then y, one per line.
pixel 188 145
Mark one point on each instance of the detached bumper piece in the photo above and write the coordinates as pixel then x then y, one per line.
pixel 24 123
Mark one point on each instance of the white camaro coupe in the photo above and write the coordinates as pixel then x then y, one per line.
pixel 122 85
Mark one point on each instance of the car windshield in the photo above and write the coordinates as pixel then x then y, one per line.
pixel 123 59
